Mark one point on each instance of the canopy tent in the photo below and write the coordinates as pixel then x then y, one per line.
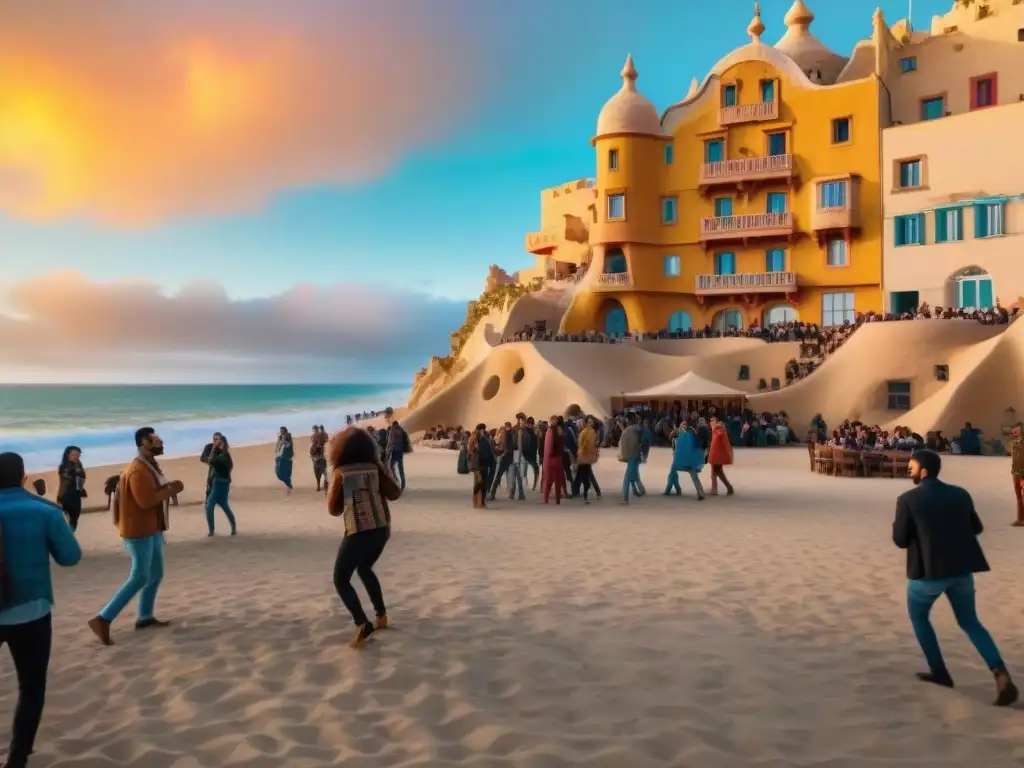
pixel 689 386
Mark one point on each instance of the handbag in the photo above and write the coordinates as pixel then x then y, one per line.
pixel 462 466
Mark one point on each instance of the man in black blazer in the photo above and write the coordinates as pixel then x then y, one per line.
pixel 938 526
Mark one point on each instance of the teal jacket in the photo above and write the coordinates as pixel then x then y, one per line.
pixel 34 530
pixel 687 455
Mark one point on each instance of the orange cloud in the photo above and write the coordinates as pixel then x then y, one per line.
pixel 134 112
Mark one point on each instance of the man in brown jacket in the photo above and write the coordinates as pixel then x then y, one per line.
pixel 141 515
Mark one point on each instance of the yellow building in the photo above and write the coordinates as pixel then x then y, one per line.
pixel 561 245
pixel 756 199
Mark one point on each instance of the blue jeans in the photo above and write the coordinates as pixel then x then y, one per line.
pixel 922 594
pixel 515 481
pixel 673 483
pixel 219 490
pixel 524 470
pixel 631 480
pixel 146 574
pixel 397 466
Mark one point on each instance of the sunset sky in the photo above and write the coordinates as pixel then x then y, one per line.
pixel 252 190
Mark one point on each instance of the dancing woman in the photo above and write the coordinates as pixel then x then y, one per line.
pixel 221 466
pixel 283 455
pixel 72 484
pixel 359 493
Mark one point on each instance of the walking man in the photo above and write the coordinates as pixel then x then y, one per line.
pixel 938 526
pixel 395 448
pixel 32 530
pixel 631 454
pixel 141 516
pixel 530 443
pixel 508 457
pixel 317 448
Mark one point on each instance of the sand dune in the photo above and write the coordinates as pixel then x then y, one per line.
pixel 765 630
pixel 985 367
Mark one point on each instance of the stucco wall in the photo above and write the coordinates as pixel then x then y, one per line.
pixel 946 62
pixel 973 155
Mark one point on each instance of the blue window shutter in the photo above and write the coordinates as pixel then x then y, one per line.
pixel 940 226
pixel 980 223
pixel 985 294
pixel 897 231
pixel 920 229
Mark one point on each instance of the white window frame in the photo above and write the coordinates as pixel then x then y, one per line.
pixel 613 159
pixel 830 314
pixel 995 219
pixel 620 196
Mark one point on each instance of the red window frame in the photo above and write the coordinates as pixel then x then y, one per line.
pixel 994 77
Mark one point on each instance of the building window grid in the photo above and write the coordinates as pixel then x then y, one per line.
pixel 616 206
pixel 909 229
pixel 933 108
pixel 910 174
pixel 837 308
pixel 670 152
pixel 613 159
pixel 832 194
pixel 835 252
pixel 899 396
pixel 908 64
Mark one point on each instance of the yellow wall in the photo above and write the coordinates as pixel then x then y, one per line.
pixel 806 112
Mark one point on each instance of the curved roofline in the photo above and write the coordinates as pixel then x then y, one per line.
pixel 630 134
pixel 754 51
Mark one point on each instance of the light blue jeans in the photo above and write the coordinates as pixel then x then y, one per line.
pixel 921 596
pixel 145 576
pixel 514 480
pixel 673 483
pixel 631 480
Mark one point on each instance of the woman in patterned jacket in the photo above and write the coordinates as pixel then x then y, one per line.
pixel 359 493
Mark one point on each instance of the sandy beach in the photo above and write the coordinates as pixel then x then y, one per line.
pixel 767 629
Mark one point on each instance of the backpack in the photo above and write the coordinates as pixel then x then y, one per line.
pixel 462 467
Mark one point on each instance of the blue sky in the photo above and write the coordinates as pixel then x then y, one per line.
pixel 444 209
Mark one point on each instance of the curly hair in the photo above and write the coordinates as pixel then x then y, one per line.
pixel 352 445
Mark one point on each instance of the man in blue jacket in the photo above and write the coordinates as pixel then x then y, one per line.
pixel 32 530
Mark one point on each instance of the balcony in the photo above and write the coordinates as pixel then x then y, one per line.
pixel 747 170
pixel 839 210
pixel 746 226
pixel 614 279
pixel 541 242
pixel 749 113
pixel 746 282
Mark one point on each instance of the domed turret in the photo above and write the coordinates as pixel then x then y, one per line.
pixel 810 54
pixel 628 111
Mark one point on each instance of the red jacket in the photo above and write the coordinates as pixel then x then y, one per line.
pixel 721 448
pixel 554 445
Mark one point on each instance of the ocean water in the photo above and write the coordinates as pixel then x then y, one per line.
pixel 38 421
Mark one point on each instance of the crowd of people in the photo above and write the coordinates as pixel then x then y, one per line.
pixel 935 523
pixel 562 451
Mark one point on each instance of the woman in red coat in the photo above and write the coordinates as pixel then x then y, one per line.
pixel 554 467
pixel 719 456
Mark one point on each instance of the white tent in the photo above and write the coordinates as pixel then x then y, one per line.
pixel 689 386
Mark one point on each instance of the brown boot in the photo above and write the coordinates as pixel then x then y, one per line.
pixel 363 632
pixel 101 628
pixel 382 622
pixel 1006 691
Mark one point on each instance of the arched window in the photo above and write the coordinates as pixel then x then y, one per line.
pixel 614 262
pixel 728 319
pixel 973 289
pixel 679 321
pixel 780 313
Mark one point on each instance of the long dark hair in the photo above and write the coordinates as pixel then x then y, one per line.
pixel 64 461
pixel 352 445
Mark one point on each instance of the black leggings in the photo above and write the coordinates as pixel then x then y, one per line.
pixel 357 554
pixel 30 648
pixel 71 502
pixel 584 478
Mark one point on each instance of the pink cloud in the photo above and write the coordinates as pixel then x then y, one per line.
pixel 64 320
pixel 131 112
